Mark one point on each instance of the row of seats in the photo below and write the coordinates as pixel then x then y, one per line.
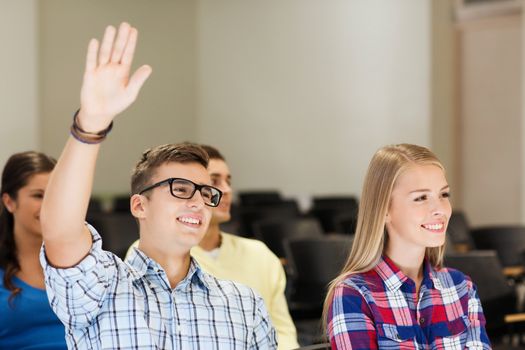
pixel 493 256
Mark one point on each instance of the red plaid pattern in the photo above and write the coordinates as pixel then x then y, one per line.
pixel 380 309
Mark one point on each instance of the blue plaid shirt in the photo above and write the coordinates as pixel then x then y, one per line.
pixel 106 303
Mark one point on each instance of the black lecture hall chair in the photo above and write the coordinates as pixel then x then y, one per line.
pixel 118 231
pixel 315 262
pixel 273 232
pixel 458 232
pixel 507 241
pixel 498 297
pixel 259 197
pixel 249 215
pixel 328 209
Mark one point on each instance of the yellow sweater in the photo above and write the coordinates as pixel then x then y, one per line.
pixel 250 262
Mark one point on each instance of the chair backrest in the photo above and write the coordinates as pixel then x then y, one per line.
pixel 328 210
pixel 118 231
pixel 497 297
pixel 275 231
pixel 121 204
pixel 334 201
pixel 507 241
pixel 345 224
pixel 318 260
pixel 286 209
pixel 263 197
pixel 458 230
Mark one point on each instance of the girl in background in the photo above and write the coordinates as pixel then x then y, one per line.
pixel 26 319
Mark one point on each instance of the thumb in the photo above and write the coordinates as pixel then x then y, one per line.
pixel 137 80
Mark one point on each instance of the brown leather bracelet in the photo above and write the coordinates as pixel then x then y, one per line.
pixel 88 137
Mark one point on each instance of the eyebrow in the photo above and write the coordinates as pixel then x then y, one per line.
pixel 427 190
pixel 219 175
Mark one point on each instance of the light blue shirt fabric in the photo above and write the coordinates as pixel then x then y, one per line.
pixel 29 322
pixel 106 303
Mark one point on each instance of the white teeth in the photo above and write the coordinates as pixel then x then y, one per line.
pixel 190 220
pixel 434 226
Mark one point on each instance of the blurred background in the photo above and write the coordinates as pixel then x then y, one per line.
pixel 297 94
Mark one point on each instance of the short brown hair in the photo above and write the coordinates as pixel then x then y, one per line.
pixel 213 153
pixel 152 158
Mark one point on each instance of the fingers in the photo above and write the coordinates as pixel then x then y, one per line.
pixel 91 57
pixel 129 51
pixel 107 45
pixel 137 80
pixel 121 42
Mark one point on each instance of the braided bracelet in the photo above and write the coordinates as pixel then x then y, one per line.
pixel 87 137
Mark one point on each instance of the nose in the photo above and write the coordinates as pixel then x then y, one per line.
pixel 442 207
pixel 225 188
pixel 196 201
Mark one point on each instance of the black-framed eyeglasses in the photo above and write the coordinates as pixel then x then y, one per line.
pixel 185 189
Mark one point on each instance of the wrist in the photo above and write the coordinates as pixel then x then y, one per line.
pixel 88 137
pixel 90 123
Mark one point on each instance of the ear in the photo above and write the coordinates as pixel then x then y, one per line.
pixel 9 203
pixel 387 218
pixel 137 206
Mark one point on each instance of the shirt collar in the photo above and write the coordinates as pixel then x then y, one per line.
pixel 390 273
pixel 394 278
pixel 140 264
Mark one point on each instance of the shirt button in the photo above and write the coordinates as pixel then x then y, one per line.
pixel 422 320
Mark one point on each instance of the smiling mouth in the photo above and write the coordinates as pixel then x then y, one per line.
pixel 434 227
pixel 189 221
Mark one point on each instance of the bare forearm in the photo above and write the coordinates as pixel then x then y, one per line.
pixel 107 90
pixel 65 204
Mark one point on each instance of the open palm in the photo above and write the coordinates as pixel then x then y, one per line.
pixel 107 88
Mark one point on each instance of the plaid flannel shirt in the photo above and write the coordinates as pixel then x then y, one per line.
pixel 380 309
pixel 106 303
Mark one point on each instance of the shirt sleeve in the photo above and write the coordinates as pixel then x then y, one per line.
pixel 278 309
pixel 263 333
pixel 349 320
pixel 477 335
pixel 76 293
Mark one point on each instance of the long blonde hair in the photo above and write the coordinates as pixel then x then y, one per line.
pixel 370 236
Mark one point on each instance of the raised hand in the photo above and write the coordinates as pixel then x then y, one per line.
pixel 107 88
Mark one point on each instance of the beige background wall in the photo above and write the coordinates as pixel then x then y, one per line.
pixel 18 77
pixel 299 94
pixel 165 111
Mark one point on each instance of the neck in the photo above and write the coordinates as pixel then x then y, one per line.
pixel 175 264
pixel 212 239
pixel 409 262
pixel 28 246
pixel 176 269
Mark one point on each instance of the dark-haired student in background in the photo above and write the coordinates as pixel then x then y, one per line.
pixel 26 319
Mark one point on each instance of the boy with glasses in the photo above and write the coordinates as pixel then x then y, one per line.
pixel 244 260
pixel 159 298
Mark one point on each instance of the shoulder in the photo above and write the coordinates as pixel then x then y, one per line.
pixel 227 287
pixel 449 277
pixel 358 285
pixel 248 246
pixel 232 293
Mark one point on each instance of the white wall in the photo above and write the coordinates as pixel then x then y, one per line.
pixel 164 111
pixel 299 94
pixel 19 77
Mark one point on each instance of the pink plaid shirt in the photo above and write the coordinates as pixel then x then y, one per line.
pixel 380 309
